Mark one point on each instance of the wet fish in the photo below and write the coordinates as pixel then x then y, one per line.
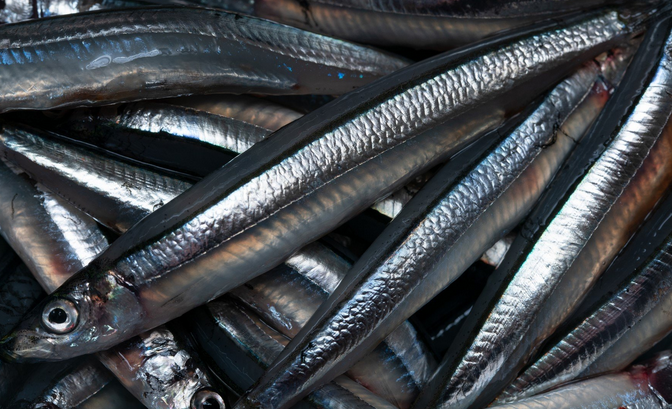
pixel 240 337
pixel 14 11
pixel 161 372
pixel 568 358
pixel 74 387
pixel 54 239
pixel 287 296
pixel 328 166
pixel 115 193
pixel 444 229
pixel 641 387
pixel 594 222
pixel 415 24
pixel 112 396
pixel 149 53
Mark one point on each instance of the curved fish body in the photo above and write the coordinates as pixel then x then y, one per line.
pixel 446 228
pixel 184 140
pixel 100 58
pixel 231 333
pixel 287 296
pixel 575 247
pixel 112 396
pixel 646 333
pixel 576 351
pixel 115 193
pixel 256 111
pixel 54 239
pixel 14 11
pixel 305 180
pixel 73 387
pixel 161 372
pixel 58 241
pixel 429 24
pixel 642 387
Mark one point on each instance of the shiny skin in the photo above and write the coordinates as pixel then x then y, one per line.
pixel 429 24
pixel 149 53
pixel 564 242
pixel 305 180
pixel 438 241
pixel 641 387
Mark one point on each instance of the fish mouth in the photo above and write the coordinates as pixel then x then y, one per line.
pixel 7 353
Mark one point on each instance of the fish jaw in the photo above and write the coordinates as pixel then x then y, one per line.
pixel 98 303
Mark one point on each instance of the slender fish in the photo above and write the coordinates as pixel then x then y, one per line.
pixel 428 23
pixel 13 11
pixel 645 387
pixel 444 229
pixel 305 180
pixel 103 57
pixel 567 359
pixel 593 223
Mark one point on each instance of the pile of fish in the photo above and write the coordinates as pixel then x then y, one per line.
pixel 331 204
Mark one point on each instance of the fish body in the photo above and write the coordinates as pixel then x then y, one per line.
pixel 112 396
pixel 444 231
pixel 14 11
pixel 328 165
pixel 149 53
pixel 567 359
pixel 426 24
pixel 518 318
pixel 645 387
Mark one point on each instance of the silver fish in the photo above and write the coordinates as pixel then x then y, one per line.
pixel 434 242
pixel 112 396
pixel 14 11
pixel 149 53
pixel 287 296
pixel 593 223
pixel 245 331
pixel 54 239
pixel 256 111
pixel 115 193
pixel 567 359
pixel 57 241
pixel 157 369
pixel 74 387
pixel 303 181
pixel 642 387
pixel 415 24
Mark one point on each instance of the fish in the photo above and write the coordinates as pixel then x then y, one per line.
pixel 149 53
pixel 568 358
pixel 234 334
pixel 14 11
pixel 425 24
pixel 287 296
pixel 441 232
pixel 56 241
pixel 234 225
pixel 642 386
pixel 163 373
pixel 112 396
pixel 594 221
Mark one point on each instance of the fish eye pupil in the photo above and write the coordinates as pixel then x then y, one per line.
pixel 58 316
pixel 210 403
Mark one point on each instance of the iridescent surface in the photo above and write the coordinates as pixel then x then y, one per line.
pixel 639 388
pixel 437 241
pixel 582 346
pixel 148 53
pixel 511 316
pixel 232 228
pixel 414 24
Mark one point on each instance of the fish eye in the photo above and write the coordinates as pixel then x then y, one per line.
pixel 207 399
pixel 60 316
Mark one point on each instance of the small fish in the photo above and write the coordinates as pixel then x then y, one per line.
pixel 161 372
pixel 592 224
pixel 576 351
pixel 425 24
pixel 14 11
pixel 445 228
pixel 305 180
pixel 643 386
pixel 112 396
pixel 160 52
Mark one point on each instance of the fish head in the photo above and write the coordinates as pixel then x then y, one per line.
pixel 88 313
